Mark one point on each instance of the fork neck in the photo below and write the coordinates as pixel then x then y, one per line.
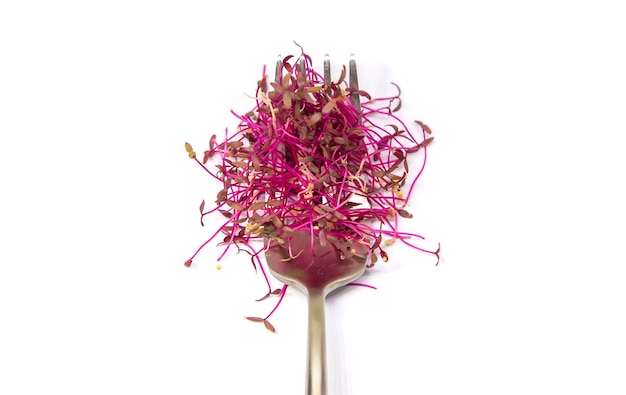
pixel 316 344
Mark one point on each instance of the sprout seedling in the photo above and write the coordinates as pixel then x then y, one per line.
pixel 306 159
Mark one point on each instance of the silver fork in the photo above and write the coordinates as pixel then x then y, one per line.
pixel 317 274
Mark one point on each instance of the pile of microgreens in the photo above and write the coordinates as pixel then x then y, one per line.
pixel 305 158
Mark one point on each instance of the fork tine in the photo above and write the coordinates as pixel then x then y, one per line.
pixel 326 70
pixel 354 85
pixel 303 66
pixel 279 63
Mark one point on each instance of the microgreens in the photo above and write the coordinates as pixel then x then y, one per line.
pixel 305 158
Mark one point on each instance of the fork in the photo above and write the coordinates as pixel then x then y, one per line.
pixel 318 271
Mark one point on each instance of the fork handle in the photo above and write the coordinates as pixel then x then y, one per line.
pixel 316 352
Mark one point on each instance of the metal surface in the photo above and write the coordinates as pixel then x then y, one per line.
pixel 327 70
pixel 316 270
pixel 354 84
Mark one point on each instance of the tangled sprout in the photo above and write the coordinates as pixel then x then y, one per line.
pixel 306 158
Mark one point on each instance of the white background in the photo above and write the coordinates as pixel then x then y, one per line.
pixel 524 189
